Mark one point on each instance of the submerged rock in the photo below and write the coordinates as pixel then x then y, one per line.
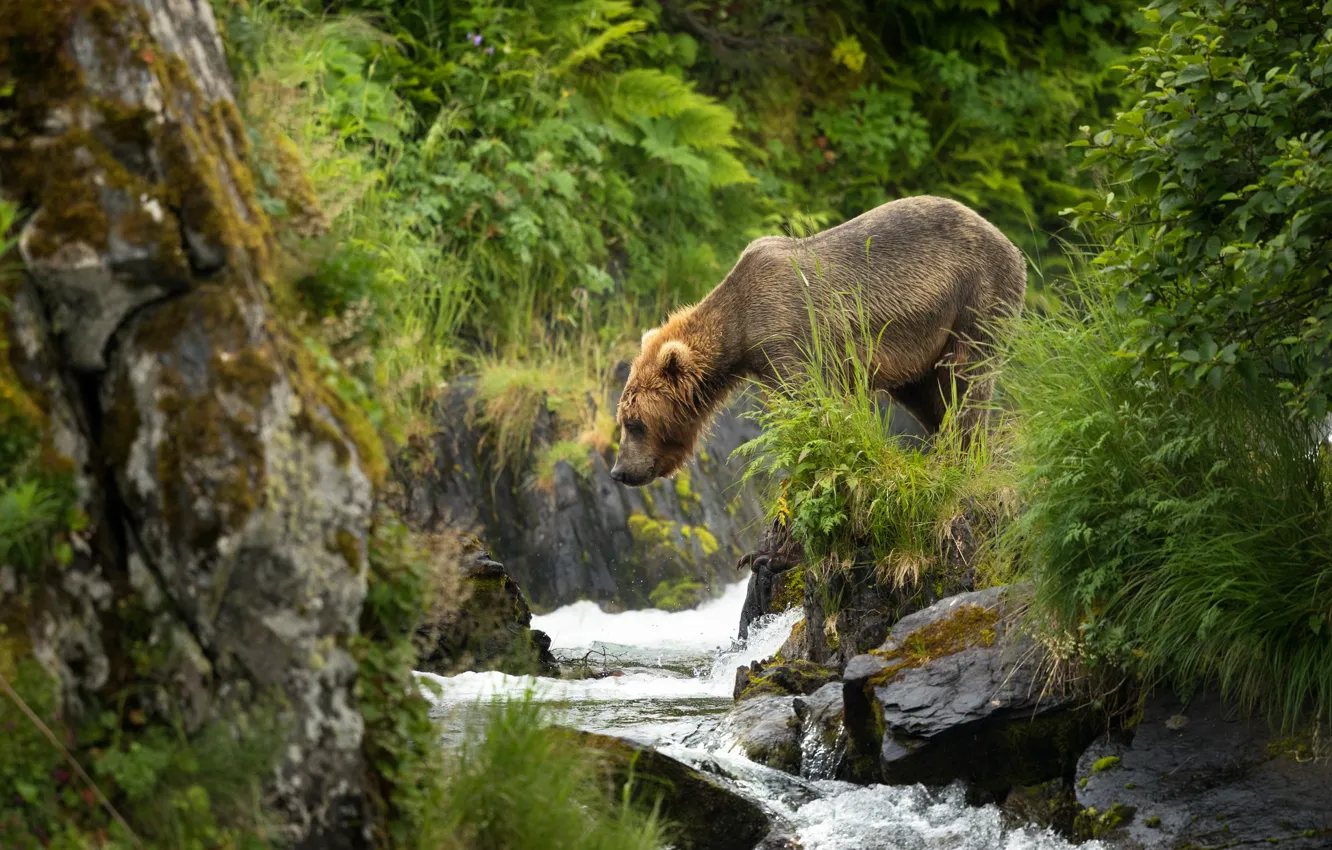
pixel 1198 775
pixel 705 814
pixel 957 691
pixel 490 630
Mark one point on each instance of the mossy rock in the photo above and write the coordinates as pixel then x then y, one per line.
pixel 490 630
pixel 957 692
pixel 701 813
pixel 133 160
pixel 789 678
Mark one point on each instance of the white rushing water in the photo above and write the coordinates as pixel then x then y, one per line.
pixel 677 675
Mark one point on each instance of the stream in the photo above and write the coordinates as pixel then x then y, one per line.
pixel 678 677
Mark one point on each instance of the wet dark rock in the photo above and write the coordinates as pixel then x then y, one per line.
pixel 959 691
pixel 586 536
pixel 706 814
pixel 776 580
pixel 1046 805
pixel 766 729
pixel 490 630
pixel 1197 774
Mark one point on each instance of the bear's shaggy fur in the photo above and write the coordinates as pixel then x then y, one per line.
pixel 927 273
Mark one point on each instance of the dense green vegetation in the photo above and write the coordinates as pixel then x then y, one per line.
pixel 1220 212
pixel 1170 459
pixel 844 485
pixel 1180 535
pixel 541 181
pixel 1164 419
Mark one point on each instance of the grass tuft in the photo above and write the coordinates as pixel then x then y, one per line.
pixel 518 783
pixel 1181 536
pixel 844 481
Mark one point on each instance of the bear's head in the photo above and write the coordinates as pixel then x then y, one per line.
pixel 660 413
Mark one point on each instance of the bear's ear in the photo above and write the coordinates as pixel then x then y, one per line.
pixel 676 359
pixel 649 334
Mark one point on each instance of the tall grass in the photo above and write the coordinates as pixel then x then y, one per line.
pixel 1184 536
pixel 518 784
pixel 843 481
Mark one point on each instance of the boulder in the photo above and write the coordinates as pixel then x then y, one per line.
pixel 248 499
pixel 766 729
pixel 490 630
pixel 959 691
pixel 582 536
pixel 791 678
pixel 215 579
pixel 1197 774
pixel 704 814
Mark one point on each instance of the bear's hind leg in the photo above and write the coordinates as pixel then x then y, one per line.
pixel 921 399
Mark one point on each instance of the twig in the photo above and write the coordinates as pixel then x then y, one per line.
pixel 73 762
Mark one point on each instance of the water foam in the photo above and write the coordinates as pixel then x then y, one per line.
pixel 701 635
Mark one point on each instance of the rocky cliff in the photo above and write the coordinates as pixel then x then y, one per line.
pixel 585 537
pixel 208 588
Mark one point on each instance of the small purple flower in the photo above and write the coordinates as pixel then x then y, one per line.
pixel 490 51
pixel 476 39
pixel 470 35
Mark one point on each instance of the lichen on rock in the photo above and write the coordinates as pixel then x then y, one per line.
pixel 126 147
pixel 253 525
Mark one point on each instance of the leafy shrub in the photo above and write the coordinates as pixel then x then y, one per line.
pixel 1181 535
pixel 1221 206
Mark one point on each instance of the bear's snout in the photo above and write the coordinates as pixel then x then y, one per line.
pixel 623 476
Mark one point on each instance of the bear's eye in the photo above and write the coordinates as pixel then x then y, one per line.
pixel 635 428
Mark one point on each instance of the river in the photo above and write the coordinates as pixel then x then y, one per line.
pixel 678 677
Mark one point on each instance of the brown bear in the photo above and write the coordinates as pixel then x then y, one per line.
pixel 927 274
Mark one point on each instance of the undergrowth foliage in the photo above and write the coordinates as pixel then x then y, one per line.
pixel 1184 536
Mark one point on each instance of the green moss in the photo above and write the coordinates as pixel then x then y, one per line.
pixel 706 541
pixel 572 452
pixel 678 594
pixel 1091 823
pixel 789 590
pixel 791 678
pixel 327 416
pixel 969 625
pixel 1106 763
pixel 346 545
pixel 684 491
pixel 1152 822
